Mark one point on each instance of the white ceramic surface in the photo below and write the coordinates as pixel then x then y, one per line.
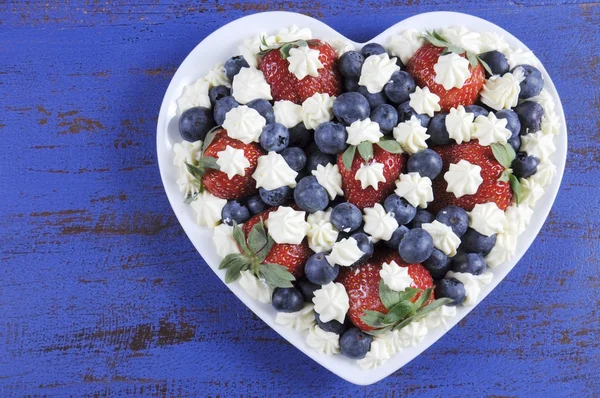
pixel 221 45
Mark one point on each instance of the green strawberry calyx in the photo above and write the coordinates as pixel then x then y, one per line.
pixel 365 150
pixel 505 154
pixel 437 39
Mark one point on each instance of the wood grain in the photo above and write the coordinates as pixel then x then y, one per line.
pixel 101 293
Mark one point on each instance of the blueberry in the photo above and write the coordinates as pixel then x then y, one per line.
pixel 223 106
pixel 355 344
pixel 233 66
pixel 332 326
pixel 310 196
pixel 307 288
pixel 275 197
pixel 319 158
pixel 274 137
pixel 264 108
pixel 350 84
pixel 396 237
pixel 496 61
pixel 530 114
pixel 422 217
pixel 294 157
pixel 515 142
pixel 386 116
pixel 374 99
pixel 437 130
pixel 195 123
pixel 472 263
pixel 474 242
pixel 512 120
pixel 331 138
pixel 477 110
pixel 532 84
pixel 218 92
pixel 235 211
pixel 438 264
pixel 399 87
pixel 350 64
pixel 364 244
pixel 400 209
pixel 416 246
pixel 456 218
pixel 287 299
pixel 524 166
pixel 300 136
pixel 405 112
pixel 372 49
pixel 425 162
pixel 452 289
pixel 255 204
pixel 346 217
pixel 350 107
pixel 318 270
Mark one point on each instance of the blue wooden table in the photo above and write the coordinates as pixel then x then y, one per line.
pixel 102 294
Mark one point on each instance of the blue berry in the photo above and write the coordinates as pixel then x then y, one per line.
pixel 474 242
pixel 355 344
pixel 438 264
pixel 287 299
pixel 275 197
pixel 233 66
pixel 512 120
pixel 307 288
pixel 437 130
pixel 515 142
pixel 399 87
pixel 264 108
pixel 397 236
pixel 496 61
pixel 524 166
pixel 416 246
pixel 310 196
pixel 274 137
pixel 405 112
pixel 425 162
pixel 350 107
pixel 386 116
pixel 294 157
pixel 477 110
pixel 300 136
pixel 422 217
pixel 372 49
pixel 374 99
pixel 400 209
pixel 532 84
pixel 350 84
pixel 235 211
pixel 218 92
pixel 318 270
pixel 456 218
pixel 350 64
pixel 195 123
pixel 319 158
pixel 255 204
pixel 472 263
pixel 332 326
pixel 363 241
pixel 346 217
pixel 331 137
pixel 223 106
pixel 530 114
pixel 452 289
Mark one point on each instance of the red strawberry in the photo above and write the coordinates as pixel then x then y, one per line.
pixel 286 86
pixel 490 190
pixel 217 182
pixel 420 67
pixel 290 256
pixel 392 167
pixel 362 284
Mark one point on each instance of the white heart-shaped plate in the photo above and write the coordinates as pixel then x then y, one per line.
pixel 221 45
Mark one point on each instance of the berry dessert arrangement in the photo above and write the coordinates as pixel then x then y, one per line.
pixel 366 193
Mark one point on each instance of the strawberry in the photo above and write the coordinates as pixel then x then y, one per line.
pixel 286 86
pixel 393 165
pixel 362 284
pixel 290 256
pixel 420 67
pixel 217 182
pixel 490 190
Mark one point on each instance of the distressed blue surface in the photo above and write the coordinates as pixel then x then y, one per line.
pixel 101 293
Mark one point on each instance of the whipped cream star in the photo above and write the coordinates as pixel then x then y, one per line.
pixel 223 240
pixel 250 84
pixel 424 101
pixel 195 94
pixel 472 283
pixel 244 124
pixel 451 70
pixel 329 177
pixel 463 178
pixel 345 253
pixel 459 124
pixel 370 175
pixel 287 113
pixel 501 92
pixel 272 171
pixel 378 355
pixel 405 44
pixel 326 343
pixel 331 302
pixel 379 223
pixel 255 288
pixel 317 109
pixel 487 219
pixel 304 61
pixel 363 130
pixel 444 238
pixel 538 144
pixel 208 209
pixel 411 135
pixel 216 76
pixel 286 225
pixel 415 189
pixel 299 321
pixel 396 277
pixel 489 129
pixel 232 161
pixel 377 71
